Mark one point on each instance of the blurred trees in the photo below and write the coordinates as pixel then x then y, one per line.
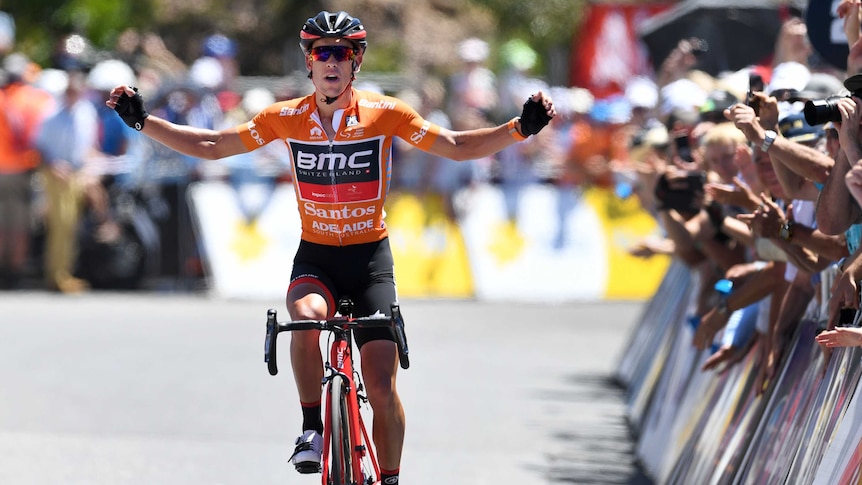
pixel 407 37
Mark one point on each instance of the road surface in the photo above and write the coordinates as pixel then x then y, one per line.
pixel 115 388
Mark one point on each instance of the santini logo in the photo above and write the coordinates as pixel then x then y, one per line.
pixel 316 132
pixel 382 104
pixel 286 111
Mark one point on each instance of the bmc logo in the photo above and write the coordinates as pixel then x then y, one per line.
pixel 333 161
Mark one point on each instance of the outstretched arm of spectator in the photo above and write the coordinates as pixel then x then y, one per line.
pixel 837 210
pixel 853 180
pixel 792 44
pixel 684 243
pixel 845 289
pixel 849 11
pixel 755 288
pixel 796 165
pixel 840 337
pixel 678 62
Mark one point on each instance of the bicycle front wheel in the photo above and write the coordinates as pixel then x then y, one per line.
pixel 341 465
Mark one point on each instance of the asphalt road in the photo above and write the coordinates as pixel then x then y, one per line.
pixel 152 389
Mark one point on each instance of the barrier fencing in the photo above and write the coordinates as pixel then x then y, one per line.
pixel 711 427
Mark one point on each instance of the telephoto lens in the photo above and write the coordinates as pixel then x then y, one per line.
pixel 822 111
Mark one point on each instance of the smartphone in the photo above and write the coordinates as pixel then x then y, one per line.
pixel 683 148
pixel 753 101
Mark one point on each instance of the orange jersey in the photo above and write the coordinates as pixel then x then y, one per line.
pixel 23 108
pixel 341 184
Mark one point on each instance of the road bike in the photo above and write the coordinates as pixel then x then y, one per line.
pixel 348 454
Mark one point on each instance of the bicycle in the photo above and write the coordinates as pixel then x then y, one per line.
pixel 348 454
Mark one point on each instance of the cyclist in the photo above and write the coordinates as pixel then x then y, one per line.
pixel 340 143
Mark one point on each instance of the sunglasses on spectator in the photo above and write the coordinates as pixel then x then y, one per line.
pixel 341 53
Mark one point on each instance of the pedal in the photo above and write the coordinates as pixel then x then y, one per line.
pixel 308 468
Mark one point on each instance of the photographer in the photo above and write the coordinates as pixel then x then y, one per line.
pixel 797 166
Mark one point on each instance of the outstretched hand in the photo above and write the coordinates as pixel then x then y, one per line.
pixel 128 103
pixel 840 337
pixel 537 113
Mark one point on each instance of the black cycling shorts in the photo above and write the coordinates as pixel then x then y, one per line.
pixel 362 272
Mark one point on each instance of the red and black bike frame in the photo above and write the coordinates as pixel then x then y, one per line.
pixel 341 363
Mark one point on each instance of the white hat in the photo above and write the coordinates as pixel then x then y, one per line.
pixel 581 100
pixel 256 99
pixel 473 50
pixel 642 92
pixel 55 81
pixel 788 75
pixel 206 72
pixel 110 73
pixel 682 94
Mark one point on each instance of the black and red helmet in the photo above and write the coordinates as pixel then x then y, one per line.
pixel 338 25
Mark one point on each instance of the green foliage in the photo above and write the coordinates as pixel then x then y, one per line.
pixel 384 58
pixel 40 24
pixel 547 23
pixel 265 29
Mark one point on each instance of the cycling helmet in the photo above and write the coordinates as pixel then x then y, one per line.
pixel 332 25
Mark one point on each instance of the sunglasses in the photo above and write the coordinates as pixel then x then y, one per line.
pixel 341 53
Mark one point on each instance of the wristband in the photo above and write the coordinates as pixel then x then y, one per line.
pixel 513 130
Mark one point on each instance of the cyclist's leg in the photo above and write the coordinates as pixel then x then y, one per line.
pixel 307 300
pixel 308 297
pixel 379 367
pixel 379 355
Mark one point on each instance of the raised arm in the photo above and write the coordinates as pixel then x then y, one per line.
pixel 797 166
pixel 837 210
pixel 482 142
pixel 195 142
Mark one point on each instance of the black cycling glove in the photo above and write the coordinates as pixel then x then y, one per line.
pixel 131 110
pixel 534 117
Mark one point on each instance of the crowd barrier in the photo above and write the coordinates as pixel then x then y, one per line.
pixel 556 245
pixel 711 427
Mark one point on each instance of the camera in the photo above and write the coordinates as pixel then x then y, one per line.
pixel 683 193
pixel 821 111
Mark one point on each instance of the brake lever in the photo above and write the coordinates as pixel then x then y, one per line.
pixel 269 347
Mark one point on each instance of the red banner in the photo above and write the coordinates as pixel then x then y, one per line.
pixel 607 52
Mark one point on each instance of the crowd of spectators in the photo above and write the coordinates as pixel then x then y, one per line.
pixel 753 177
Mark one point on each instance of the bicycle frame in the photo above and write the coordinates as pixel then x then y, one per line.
pixel 341 364
pixel 340 371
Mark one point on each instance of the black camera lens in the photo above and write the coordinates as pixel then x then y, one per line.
pixel 821 111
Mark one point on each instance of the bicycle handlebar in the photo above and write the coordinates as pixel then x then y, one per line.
pixel 335 324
